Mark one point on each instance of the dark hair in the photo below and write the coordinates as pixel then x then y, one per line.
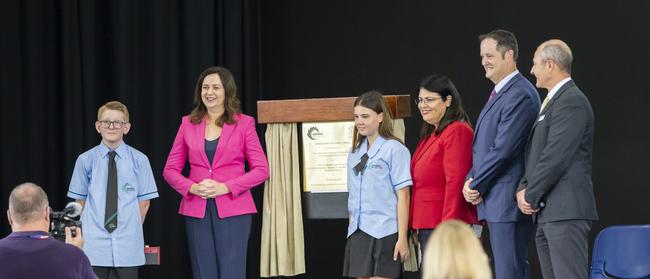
pixel 455 112
pixel 505 41
pixel 231 102
pixel 374 101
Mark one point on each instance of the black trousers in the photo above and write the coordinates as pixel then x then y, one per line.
pixel 218 246
pixel 107 272
pixel 562 248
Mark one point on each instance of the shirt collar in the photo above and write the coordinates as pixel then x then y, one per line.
pixel 379 141
pixel 120 150
pixel 504 81
pixel 555 88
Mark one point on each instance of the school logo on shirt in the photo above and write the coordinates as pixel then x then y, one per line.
pixel 128 188
pixel 375 166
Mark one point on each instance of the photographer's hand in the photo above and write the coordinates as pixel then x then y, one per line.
pixel 78 240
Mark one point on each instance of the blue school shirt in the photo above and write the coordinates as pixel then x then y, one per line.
pixel 372 199
pixel 125 246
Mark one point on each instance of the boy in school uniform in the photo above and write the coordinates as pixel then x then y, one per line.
pixel 114 183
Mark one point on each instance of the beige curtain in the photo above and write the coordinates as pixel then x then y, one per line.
pixel 282 249
pixel 398 129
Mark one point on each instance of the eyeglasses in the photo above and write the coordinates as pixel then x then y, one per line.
pixel 107 124
pixel 426 101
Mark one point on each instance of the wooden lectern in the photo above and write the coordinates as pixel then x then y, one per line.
pixel 282 249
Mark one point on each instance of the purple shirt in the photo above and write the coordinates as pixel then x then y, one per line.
pixel 34 254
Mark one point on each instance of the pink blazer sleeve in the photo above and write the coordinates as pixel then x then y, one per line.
pixel 176 162
pixel 257 162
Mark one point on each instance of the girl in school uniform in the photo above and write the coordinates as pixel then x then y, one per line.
pixel 378 204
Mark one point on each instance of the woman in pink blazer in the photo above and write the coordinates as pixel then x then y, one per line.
pixel 216 200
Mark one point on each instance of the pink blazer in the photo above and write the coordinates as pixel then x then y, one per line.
pixel 238 142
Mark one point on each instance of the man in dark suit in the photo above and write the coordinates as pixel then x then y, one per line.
pixel 557 185
pixel 498 154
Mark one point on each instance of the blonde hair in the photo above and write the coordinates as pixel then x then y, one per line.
pixel 113 105
pixel 454 252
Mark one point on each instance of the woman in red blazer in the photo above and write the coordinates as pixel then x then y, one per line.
pixel 441 160
pixel 216 200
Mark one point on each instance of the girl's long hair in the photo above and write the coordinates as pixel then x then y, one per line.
pixel 374 101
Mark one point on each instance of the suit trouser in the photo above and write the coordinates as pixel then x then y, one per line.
pixel 423 239
pixel 109 272
pixel 218 246
pixel 509 241
pixel 562 248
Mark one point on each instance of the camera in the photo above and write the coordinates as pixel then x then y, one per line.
pixel 68 217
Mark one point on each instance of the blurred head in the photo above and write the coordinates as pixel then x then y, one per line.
pixel 439 104
pixel 499 53
pixel 215 89
pixel 28 208
pixel 551 63
pixel 454 252
pixel 112 122
pixel 371 117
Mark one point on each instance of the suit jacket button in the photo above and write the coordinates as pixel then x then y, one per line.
pixel 210 170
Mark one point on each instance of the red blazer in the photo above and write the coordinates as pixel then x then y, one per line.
pixel 238 143
pixel 438 169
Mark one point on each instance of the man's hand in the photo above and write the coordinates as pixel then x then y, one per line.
pixel 523 205
pixel 471 196
pixel 77 240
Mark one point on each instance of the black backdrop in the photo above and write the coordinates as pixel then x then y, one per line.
pixel 60 60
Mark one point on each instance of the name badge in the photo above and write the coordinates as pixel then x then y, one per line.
pixel 541 117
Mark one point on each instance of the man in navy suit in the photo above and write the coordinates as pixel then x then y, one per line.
pixel 498 154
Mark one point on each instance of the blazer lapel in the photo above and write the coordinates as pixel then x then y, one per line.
pixel 199 140
pixel 425 146
pixel 226 133
pixel 550 103
pixel 487 108
pixel 496 98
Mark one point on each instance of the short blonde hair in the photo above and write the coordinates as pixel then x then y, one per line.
pixel 113 105
pixel 454 252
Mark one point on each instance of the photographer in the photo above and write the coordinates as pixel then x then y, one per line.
pixel 29 251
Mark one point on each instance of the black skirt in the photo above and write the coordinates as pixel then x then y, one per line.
pixel 366 256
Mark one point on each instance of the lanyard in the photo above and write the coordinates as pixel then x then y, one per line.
pixel 32 236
